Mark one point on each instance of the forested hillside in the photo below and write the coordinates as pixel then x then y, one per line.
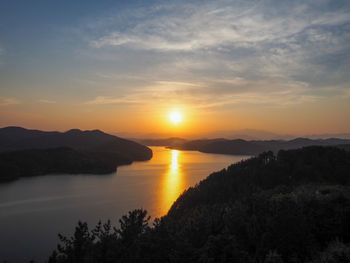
pixel 26 152
pixel 293 207
pixel 90 141
pixel 24 163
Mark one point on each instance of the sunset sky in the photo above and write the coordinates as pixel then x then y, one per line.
pixel 125 66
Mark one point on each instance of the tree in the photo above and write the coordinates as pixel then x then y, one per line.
pixel 133 225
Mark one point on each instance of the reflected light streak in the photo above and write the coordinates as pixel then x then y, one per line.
pixel 174 160
pixel 173 182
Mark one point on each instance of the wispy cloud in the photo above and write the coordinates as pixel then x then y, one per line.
pixel 236 49
pixel 47 101
pixel 103 100
pixel 189 27
pixel 8 101
pixel 208 95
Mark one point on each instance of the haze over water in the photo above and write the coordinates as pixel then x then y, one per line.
pixel 43 206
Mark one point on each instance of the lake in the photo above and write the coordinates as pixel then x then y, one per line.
pixel 34 210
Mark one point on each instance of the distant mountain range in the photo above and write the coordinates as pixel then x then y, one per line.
pixel 169 142
pixel 248 134
pixel 245 134
pixel 98 151
pixel 26 152
pixel 253 134
pixel 243 147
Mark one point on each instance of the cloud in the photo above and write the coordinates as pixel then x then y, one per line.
pixel 232 52
pixel 8 101
pixel 103 100
pixel 209 95
pixel 189 27
pixel 47 101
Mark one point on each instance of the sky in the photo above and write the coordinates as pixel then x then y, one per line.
pixel 124 66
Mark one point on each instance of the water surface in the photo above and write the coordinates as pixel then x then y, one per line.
pixel 33 210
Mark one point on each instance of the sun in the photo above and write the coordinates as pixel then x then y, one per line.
pixel 175 117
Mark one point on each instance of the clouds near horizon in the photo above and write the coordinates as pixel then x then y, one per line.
pixel 224 57
pixel 8 101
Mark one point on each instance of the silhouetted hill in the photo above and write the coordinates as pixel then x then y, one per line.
pixel 11 135
pixel 22 163
pixel 329 135
pixel 313 164
pixel 97 145
pixel 293 207
pixel 344 146
pixel 247 134
pixel 14 138
pixel 170 142
pixel 243 147
pixel 223 146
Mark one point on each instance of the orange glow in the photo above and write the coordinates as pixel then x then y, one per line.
pixel 173 182
pixel 197 122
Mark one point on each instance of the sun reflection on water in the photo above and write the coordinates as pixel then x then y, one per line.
pixel 174 160
pixel 173 181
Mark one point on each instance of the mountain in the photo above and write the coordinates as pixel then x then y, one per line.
pixel 254 134
pixel 245 134
pixel 344 146
pixel 93 146
pixel 254 147
pixel 276 145
pixel 24 163
pixel 248 134
pixel 11 135
pixel 329 135
pixel 223 146
pixel 15 138
pixel 170 142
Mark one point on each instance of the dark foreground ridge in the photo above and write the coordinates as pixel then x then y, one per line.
pixel 31 152
pixel 293 207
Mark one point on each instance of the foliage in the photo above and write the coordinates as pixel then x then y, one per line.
pixel 47 161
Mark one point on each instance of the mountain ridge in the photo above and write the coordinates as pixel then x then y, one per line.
pixel 254 147
pixel 99 151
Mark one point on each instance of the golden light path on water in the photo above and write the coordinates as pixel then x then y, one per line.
pixel 173 181
pixel 33 203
